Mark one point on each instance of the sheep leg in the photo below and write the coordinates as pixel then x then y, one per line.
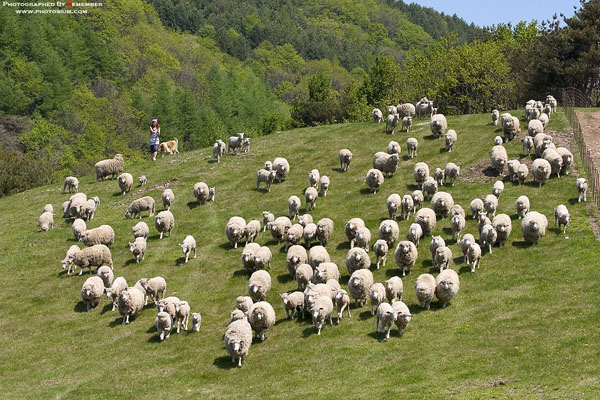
pixel 377 324
pixel 330 321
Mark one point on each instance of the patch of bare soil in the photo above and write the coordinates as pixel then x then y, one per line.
pixel 595 227
pixel 162 186
pixel 590 125
pixel 480 172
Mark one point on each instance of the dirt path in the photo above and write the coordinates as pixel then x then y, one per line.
pixel 590 127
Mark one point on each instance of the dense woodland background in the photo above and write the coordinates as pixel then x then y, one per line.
pixel 78 88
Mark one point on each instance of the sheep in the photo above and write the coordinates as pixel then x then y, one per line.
pixel 182 315
pixel 345 157
pixel 324 230
pixel 309 234
pixel 248 255
pixel 125 181
pixel 498 141
pixel 541 142
pixel 374 179
pixel 386 316
pixel 130 302
pixel 281 167
pixel 436 241
pixel 402 316
pixel 451 139
pixel 544 119
pixel 342 302
pixel 92 291
pixel 527 143
pixel 376 296
pixel 541 170
pixel 522 173
pixel 68 260
pixel 293 303
pixel 314 291
pixel 168 304
pixel 483 220
pixel 238 338
pixel 386 163
pixel 71 183
pixel 78 227
pixel 534 127
pixel 414 233
pixel 142 180
pixel 259 284
pixel 196 321
pixel 236 315
pixel 451 172
pixel 408 206
pixel 513 166
pixel 48 208
pixel 352 226
pixel 388 231
pixel 503 226
pixel 359 285
pixel 76 206
pixel 115 290
pixel 326 271
pixel 567 159
pixel 317 255
pixel 377 115
pixel 310 197
pixel 562 217
pixel 495 117
pixel 405 255
pixel 447 285
pixel 394 289
pixel 552 101
pixel 234 143
pixel 89 209
pixel 251 231
pixel 356 259
pixel 203 193
pixel 457 224
pixel 418 199
pixel 296 255
pixel 104 234
pixel 510 128
pixel 488 236
pixel 106 274
pixel 261 317
pixel 235 230
pixel 140 230
pixel 425 290
pixel 268 218
pixel 490 204
pixel 391 122
pixel 313 178
pixel 522 205
pixel 380 248
pixel 293 206
pixel 438 175
pixel 164 222
pixel 164 325
pixel 441 203
pixel 243 303
pixel 420 172
pixel 108 167
pixel 412 144
pixel 406 123
pixel 392 110
pixel 266 177
pixel 473 256
pixel 438 125
pixel 324 185
pixel 46 221
pixel 167 198
pixel 245 147
pixel 426 218
pixel 363 238
pixel 430 187
pixel 406 110
pixel 218 150
pixel 393 148
pixel 393 203
pixel 321 311
pixel 555 160
pixel 304 274
pixel 188 244
pixel 582 186
pixel 136 207
pixel 464 244
pixel 498 188
pixel 532 112
pixel 498 158
pixel 424 108
pixel 154 287
pixel 262 258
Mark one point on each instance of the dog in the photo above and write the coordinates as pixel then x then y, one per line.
pixel 169 147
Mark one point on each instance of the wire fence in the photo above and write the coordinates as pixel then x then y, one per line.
pixel 572 98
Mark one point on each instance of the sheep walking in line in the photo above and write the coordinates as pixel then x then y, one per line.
pixel 238 338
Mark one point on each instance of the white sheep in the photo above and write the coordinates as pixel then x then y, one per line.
pixel 310 198
pixel 153 287
pixel 438 125
pixel 324 230
pixel 363 238
pixel 457 224
pixel 164 222
pixel 412 145
pixel 167 198
pixel 376 296
pixel 188 244
pixel 374 179
pixel 352 226
pixel 380 248
pixel 473 256
pixel 415 232
pixel 235 230
pixel 265 176
pixel 317 255
pixel 541 170
pixel 142 180
pixel 503 226
pixel 394 288
pixel 562 217
pixel 436 241
pixel 167 304
pixel 447 286
pixel 244 303
pixel 527 143
pixel 125 181
pixel 510 127
pixel 92 291
pixel 281 167
pixel 106 274
pixel 393 147
pixel 418 199
pixel 386 163
pixel 441 203
pixel 443 256
pixel 424 108
pixel 391 122
pixel 451 139
pixel 377 115
pixel 108 167
pixel 164 325
pixel 522 173
pixel 309 234
pixel 405 255
pixel 104 234
pixel 342 302
pixel 218 150
pixel 262 258
pixel 136 207
pixel 388 231
pixel 356 259
pixel 513 166
pixel 406 123
pixel 268 218
pixel 386 317
pixel 426 218
pixel 498 188
pixel 322 311
pixel 451 172
pixel 203 193
pixel 420 173
pixel 238 338
pixel 534 127
pixel 544 119
pixel 261 317
pixel 464 244
pixel 582 186
pixel 490 204
pixel 248 255
pixel 498 141
pixel 293 206
pixel 425 290
pixel 296 255
pixel 402 316
pixel 555 160
pixel 522 205
pixel 313 178
pixel 430 187
pixel 196 321
pixel 46 221
pixel 304 274
pixel 408 206
pixel 118 285
pixel 251 231
pixel 495 117
pixel 76 206
pixel 345 157
pixel 182 313
pixel 94 256
pixel 438 175
pixel 259 284
pixel 68 260
pixel 393 203
pixel 234 143
pixel 406 110
pixel 498 158
pixel 140 230
pixel 324 185
pixel 567 159
pixel 293 303
pixel 130 302
pixel 71 183
pixel 359 285
pixel 488 236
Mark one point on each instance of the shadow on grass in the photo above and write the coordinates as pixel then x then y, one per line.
pixel 522 244
pixel 464 270
pixel 490 172
pixel 284 278
pixel 130 261
pixel 448 231
pixel 192 204
pixel 117 322
pixel 107 308
pixel 181 260
pixel 514 217
pixel 365 191
pixel 224 362
pixel 226 246
pixel 393 272
pixel 152 329
pixel 365 315
pixel 458 260
pixel 117 194
pixel 242 272
pixel 80 307
pixel 344 279
pixel 412 186
pixel 429 137
pixel 309 331
pixel 338 169
pixel 573 201
pixel 343 246
pixel 272 242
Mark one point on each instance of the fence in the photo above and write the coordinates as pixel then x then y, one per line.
pixel 572 98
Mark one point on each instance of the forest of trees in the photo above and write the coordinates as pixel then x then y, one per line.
pixel 77 88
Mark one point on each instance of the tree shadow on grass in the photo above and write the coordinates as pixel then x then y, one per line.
pixel 284 278
pixel 224 362
pixel 192 204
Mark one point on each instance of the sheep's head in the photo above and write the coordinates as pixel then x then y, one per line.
pixel 268 165
pixel 357 257
pixel 127 214
pixel 131 247
pixel 236 346
pixel 445 284
pixel 196 318
pixel 339 294
pixel 387 229
pixel 404 318
pixel 211 194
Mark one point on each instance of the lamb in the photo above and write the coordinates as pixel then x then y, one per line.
pixel 438 175
pixel 412 145
pixel 296 255
pixel 359 285
pixel 125 181
pixel 527 142
pixel 235 230
pixel 259 284
pixel 68 260
pixel 555 160
pixel 71 183
pixel 451 138
pixel 108 167
pixel 324 185
pixel 203 193
pixel 238 338
pixel 248 255
pixel 189 244
pixel 182 315
pixel 130 302
pixel 281 167
pixel 441 203
pixel 218 150
pixel 164 325
pixel 251 231
pixel 426 218
pixel 415 232
pixel 262 258
pixel 425 290
pixel 522 173
pixel 451 172
pixel 352 226
pixel 92 291
pixel 293 206
pixel 104 234
pixel 499 158
pixel 473 256
pixel 541 170
pixel 483 220
pixel 424 108
pixel 377 115
pixel 321 311
pixel 164 222
pixel 512 167
pixel 388 231
pixel 345 157
pixel 265 176
pixel 136 207
pixel 562 217
pixel 393 202
pixel 406 255
pixel 498 188
pixel 457 224
pixel 115 290
pixel 490 204
pixel 196 321
pixel 430 187
pixel 544 119
pixel 245 145
pixel 268 165
pixel 391 122
pixel 522 205
pixel 154 287
pixel 310 197
pixel 46 221
pixel 420 172
pixel 363 238
pixel 106 274
pixel 261 317
pixel 376 296
pixel 304 274
pixel 403 316
pixel 447 286
pixel 418 199
pixel 511 127
pixel 324 230
pixel 268 218
pixel 393 148
pixel 318 255
pixel 541 142
pixel 167 198
pixel 342 302
pixel 380 248
pixel 309 234
pixel 293 303
pixel 89 208
pixel 386 316
pixel 582 186
pixel 464 244
pixel 392 110
pixel 356 259
pixel 243 303
pixel 313 178
pixel 394 289
pixel 168 304
pixel 374 179
pixel 503 226
pixel 140 230
pixel 438 125
pixel 406 123
pixel 386 163
pixel 76 206
pixel 495 117
pixel 408 206
pixel 567 159
pixel 234 143
pixel 436 241
pixel 142 180
pixel 406 110
pixel 488 236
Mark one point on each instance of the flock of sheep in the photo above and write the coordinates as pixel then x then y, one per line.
pixel 316 276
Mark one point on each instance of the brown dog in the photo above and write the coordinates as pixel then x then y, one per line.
pixel 169 147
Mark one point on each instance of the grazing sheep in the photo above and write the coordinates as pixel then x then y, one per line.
pixel 498 188
pixel 189 244
pixel 391 122
pixel 342 302
pixel 457 224
pixel 408 206
pixel 296 255
pixel 321 311
pixel 68 260
pixel 92 291
pixel 265 176
pixel 136 207
pixel 425 290
pixel 498 158
pixel 142 180
pixel 235 230
pixel 430 187
pixel 522 173
pixel 495 117
pixel 359 286
pixel 490 204
pixel 76 206
pixel 268 218
pixel 89 209
pixel 393 148
pixel 426 218
pixel 104 234
pixel 310 197
pixel 376 296
pixel 352 226
pixel 386 163
pixel 130 302
pixel 325 272
pixel 262 258
pixel 345 156
pixel 377 115
pixel 582 186
pixel 261 317
pixel 393 202
pixel 488 236
pixel 140 230
pixel 406 124
pixel 534 127
pixel 403 316
pixel 541 170
pixel 555 160
pixel 182 315
pixel 324 230
pixel 562 217
pixel 293 303
pixel 447 285
pixel 513 166
pixel 527 142
pixel 438 125
pixel 522 205
pixel 464 244
pixel 318 255
pixel 438 175
pixel 281 167
pixel 405 255
pixel 259 284
pixel 71 183
pixel 164 325
pixel 441 203
pixel 313 178
pixel 363 238
pixel 94 256
pixel 243 303
pixel 418 199
pixel 567 159
pixel 412 145
pixel 304 274
pixel 46 221
pixel 356 259
pixel 125 181
pixel 324 185
pixel 203 193
pixel 115 290
pixel 388 231
pixel 415 232
pixel 451 139
pixel 394 289
pixel 164 222
pixel 108 167
pixel 503 226
pixel 251 231
pixel 238 338
pixel 138 248
pixel 154 287
pixel 380 248
pixel 420 173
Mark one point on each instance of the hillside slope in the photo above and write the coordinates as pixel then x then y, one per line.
pixel 525 325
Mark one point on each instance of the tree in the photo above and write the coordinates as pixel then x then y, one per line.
pixel 380 87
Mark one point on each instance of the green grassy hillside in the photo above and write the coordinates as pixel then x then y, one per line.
pixel 524 326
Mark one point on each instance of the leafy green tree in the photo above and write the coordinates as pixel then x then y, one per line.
pixel 381 84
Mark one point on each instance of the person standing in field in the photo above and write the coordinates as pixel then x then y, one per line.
pixel 154 138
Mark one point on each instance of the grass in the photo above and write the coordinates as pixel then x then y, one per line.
pixel 524 326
